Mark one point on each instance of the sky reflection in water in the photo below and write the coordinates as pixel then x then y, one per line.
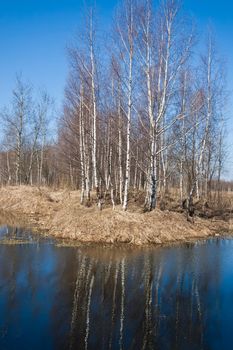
pixel 116 298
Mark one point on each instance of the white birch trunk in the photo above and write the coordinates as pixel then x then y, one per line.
pixel 94 106
pixel 81 147
pixel 129 112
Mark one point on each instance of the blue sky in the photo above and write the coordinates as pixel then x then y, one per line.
pixel 33 39
pixel 34 34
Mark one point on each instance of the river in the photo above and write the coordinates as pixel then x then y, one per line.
pixel 94 297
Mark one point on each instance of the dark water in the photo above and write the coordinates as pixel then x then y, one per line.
pixel 115 298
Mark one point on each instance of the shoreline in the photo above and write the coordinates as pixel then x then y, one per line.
pixel 59 214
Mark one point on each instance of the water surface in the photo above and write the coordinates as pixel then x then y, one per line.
pixel 114 298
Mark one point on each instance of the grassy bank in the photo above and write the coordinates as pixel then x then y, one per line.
pixel 60 214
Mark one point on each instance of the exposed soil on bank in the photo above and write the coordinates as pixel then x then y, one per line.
pixel 59 214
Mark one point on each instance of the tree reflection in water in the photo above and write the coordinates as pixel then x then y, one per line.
pixel 115 298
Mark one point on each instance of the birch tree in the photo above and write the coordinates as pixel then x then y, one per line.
pixel 16 124
pixel 126 34
pixel 140 121
pixel 162 59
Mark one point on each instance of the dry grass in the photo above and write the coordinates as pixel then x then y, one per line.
pixel 14 242
pixel 60 214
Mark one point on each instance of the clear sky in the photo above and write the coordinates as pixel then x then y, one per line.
pixel 34 34
pixel 33 39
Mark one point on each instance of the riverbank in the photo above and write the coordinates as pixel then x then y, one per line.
pixel 59 214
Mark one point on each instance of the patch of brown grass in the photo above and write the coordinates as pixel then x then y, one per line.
pixel 60 214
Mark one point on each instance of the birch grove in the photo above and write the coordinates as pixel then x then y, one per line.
pixel 143 114
pixel 25 125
